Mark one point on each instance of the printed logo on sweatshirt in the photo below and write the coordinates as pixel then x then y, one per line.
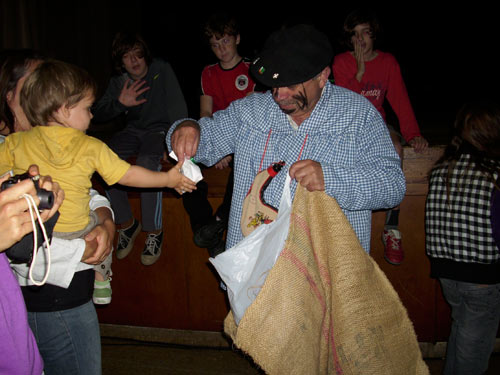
pixel 371 90
pixel 241 82
pixel 371 93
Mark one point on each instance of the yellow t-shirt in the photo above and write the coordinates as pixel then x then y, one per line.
pixel 70 157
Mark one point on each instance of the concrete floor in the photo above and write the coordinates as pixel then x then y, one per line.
pixel 124 357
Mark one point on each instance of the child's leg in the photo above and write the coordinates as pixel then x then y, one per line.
pixel 125 144
pixel 392 216
pixel 391 236
pixel 102 285
pixel 103 270
pixel 149 157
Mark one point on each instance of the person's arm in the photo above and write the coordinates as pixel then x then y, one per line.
pixel 99 242
pixel 397 97
pixel 109 105
pixel 137 176
pixel 206 106
pixel 210 139
pixel 360 60
pixel 371 178
pixel 344 72
pixel 206 109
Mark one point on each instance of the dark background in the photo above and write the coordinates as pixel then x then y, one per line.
pixel 447 55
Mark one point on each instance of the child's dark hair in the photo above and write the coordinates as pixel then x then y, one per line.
pixel 477 133
pixel 220 24
pixel 14 66
pixel 358 17
pixel 124 43
pixel 54 84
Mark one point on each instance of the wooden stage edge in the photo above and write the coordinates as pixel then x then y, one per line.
pixel 219 340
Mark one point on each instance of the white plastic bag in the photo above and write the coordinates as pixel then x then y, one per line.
pixel 245 266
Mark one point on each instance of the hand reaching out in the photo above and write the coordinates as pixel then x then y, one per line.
pixel 178 181
pixel 130 93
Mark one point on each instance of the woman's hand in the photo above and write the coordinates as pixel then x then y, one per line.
pixel 15 219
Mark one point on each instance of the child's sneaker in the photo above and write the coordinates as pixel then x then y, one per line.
pixel 126 238
pixel 393 250
pixel 102 292
pixel 152 250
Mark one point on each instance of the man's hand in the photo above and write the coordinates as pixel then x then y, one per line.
pixel 185 139
pixel 419 144
pixel 309 174
pixel 130 93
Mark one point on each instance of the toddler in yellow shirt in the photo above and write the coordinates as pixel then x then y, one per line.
pixel 56 99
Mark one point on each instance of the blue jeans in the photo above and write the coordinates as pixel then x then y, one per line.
pixel 475 313
pixel 69 340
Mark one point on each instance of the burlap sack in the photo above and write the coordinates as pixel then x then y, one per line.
pixel 326 307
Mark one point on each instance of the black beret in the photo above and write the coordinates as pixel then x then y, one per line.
pixel 291 56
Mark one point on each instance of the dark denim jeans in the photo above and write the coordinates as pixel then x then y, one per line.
pixel 149 148
pixel 475 312
pixel 69 340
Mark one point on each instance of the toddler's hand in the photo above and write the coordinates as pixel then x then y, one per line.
pixel 178 181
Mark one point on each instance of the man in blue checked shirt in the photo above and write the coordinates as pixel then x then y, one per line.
pixel 332 139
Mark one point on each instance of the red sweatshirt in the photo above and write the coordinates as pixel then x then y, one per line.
pixel 382 79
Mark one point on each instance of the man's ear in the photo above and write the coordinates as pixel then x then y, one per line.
pixel 238 39
pixel 323 77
